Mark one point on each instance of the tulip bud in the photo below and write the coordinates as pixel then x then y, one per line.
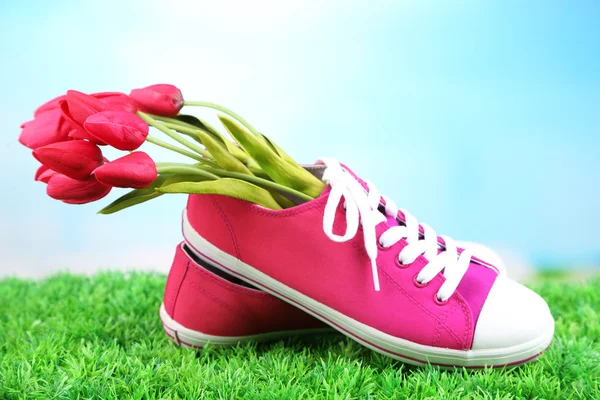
pixel 162 99
pixel 48 127
pixel 77 131
pixel 43 174
pixel 49 105
pixel 117 101
pixel 119 129
pixel 71 191
pixel 135 170
pixel 74 158
pixel 83 105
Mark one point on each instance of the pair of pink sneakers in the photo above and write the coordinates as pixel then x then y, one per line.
pixel 352 261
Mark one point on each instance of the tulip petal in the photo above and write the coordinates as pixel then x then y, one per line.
pixel 120 129
pixel 71 191
pixel 74 158
pixel 135 170
pixel 162 99
pixel 49 105
pixel 43 174
pixel 83 105
pixel 48 127
pixel 117 101
pixel 77 131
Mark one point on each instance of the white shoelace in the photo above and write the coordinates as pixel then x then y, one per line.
pixel 362 207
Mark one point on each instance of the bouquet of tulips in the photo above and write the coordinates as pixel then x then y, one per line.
pixel 68 133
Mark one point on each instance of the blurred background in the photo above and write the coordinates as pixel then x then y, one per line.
pixel 481 119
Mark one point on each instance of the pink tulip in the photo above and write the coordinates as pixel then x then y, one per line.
pixel 135 170
pixel 72 191
pixel 162 99
pixel 49 105
pixel 83 105
pixel 117 101
pixel 74 158
pixel 119 129
pixel 77 131
pixel 43 174
pixel 102 95
pixel 47 127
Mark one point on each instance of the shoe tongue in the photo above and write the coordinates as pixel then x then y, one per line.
pixel 358 178
pixel 391 220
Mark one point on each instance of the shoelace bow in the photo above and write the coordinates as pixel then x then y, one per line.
pixel 362 207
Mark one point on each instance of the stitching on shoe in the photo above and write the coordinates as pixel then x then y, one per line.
pixel 317 204
pixel 421 306
pixel 468 331
pixel 187 265
pixel 228 225
pixel 468 335
pixel 438 332
pixel 229 285
pixel 217 300
pixel 288 212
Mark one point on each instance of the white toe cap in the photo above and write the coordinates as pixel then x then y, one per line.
pixel 511 315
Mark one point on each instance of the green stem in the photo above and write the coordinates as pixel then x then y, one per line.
pixel 262 182
pixel 224 110
pixel 161 127
pixel 176 149
pixel 183 129
pixel 248 178
pixel 171 120
pixel 186 124
pixel 184 169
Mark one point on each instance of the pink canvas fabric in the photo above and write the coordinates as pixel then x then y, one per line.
pixel 479 278
pixel 354 260
pixel 203 302
pixel 291 247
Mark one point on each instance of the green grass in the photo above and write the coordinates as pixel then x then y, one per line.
pixel 73 337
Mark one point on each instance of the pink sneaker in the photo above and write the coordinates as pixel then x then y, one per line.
pixel 206 287
pixel 202 304
pixel 391 284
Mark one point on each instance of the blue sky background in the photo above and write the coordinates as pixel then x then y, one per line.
pixel 481 119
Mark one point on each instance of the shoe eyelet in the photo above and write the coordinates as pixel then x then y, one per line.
pixel 419 284
pixel 439 302
pixel 399 264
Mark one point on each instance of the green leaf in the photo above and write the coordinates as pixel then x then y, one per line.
pixel 240 154
pixel 281 171
pixel 228 187
pixel 280 151
pixel 222 156
pixel 215 134
pixel 283 201
pixel 183 178
pixel 134 197
pixel 198 123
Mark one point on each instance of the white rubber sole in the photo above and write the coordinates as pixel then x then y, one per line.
pixel 185 337
pixel 398 348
